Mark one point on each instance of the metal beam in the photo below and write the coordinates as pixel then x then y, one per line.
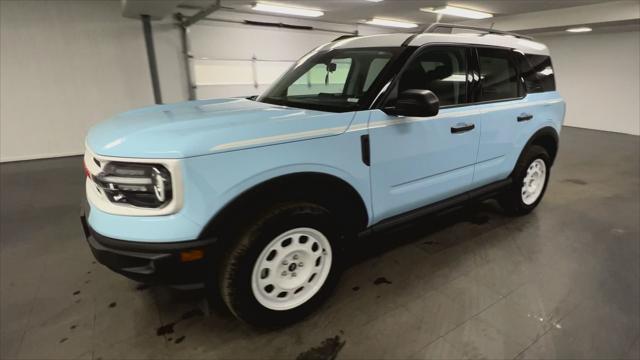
pixel 202 14
pixel 186 53
pixel 151 56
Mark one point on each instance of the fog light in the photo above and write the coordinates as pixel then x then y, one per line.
pixel 191 255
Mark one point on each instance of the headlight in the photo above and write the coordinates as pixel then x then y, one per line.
pixel 141 185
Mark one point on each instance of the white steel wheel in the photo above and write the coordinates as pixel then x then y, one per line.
pixel 291 269
pixel 534 181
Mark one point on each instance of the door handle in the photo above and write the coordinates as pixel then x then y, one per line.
pixel 524 117
pixel 460 128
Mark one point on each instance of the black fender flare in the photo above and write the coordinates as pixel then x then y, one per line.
pixel 548 138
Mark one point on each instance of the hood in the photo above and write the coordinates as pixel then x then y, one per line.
pixel 207 126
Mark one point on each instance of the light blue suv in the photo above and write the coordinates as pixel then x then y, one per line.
pixel 256 197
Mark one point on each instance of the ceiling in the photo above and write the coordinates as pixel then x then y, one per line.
pixel 354 11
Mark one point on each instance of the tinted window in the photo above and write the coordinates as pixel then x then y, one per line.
pixel 498 75
pixel 337 80
pixel 322 78
pixel 375 67
pixel 441 70
pixel 537 73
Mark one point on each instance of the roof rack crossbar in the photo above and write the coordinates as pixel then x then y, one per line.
pixel 433 28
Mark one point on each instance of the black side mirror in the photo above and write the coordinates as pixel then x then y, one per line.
pixel 416 102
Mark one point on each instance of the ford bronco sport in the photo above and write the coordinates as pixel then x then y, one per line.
pixel 256 197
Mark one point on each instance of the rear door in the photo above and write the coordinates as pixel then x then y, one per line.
pixel 500 100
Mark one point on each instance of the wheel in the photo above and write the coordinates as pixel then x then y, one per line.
pixel 282 266
pixel 530 179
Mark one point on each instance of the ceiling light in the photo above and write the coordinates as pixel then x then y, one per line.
pixel 375 0
pixel 457 11
pixel 287 10
pixel 391 23
pixel 579 29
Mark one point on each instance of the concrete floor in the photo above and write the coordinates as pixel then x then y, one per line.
pixel 563 282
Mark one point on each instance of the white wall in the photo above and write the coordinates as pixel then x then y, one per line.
pixel 214 41
pixel 598 74
pixel 66 65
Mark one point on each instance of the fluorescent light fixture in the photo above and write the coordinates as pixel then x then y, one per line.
pixel 546 72
pixel 458 11
pixel 375 0
pixel 391 23
pixel 287 10
pixel 579 29
pixel 455 78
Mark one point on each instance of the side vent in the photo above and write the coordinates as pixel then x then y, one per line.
pixel 366 151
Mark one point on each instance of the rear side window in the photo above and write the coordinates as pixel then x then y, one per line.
pixel 537 73
pixel 498 75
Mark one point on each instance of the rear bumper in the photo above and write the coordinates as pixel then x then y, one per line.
pixel 159 263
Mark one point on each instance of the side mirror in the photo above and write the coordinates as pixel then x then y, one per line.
pixel 416 102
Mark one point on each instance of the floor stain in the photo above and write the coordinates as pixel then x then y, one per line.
pixel 355 288
pixel 63 340
pixel 165 329
pixel 179 340
pixel 328 350
pixel 168 328
pixel 77 292
pixel 381 280
pixel 73 327
pixel 575 181
pixel 113 304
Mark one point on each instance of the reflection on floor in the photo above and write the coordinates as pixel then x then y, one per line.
pixel 563 282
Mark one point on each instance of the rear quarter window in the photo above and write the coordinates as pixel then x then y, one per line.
pixel 537 73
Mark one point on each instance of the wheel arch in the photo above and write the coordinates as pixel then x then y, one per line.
pixel 327 189
pixel 548 138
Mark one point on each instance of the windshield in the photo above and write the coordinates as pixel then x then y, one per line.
pixel 337 80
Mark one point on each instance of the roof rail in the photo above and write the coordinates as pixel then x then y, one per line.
pixel 433 28
pixel 342 37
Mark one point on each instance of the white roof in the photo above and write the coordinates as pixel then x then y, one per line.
pixel 391 40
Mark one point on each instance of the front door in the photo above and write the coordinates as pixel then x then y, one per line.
pixel 417 161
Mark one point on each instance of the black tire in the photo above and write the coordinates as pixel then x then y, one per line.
pixel 511 201
pixel 236 268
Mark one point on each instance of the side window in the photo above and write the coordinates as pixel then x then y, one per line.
pixel 375 67
pixel 537 73
pixel 442 70
pixel 322 79
pixel 498 75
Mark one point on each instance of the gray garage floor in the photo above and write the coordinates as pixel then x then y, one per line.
pixel 563 282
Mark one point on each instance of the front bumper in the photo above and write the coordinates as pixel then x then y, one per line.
pixel 159 263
